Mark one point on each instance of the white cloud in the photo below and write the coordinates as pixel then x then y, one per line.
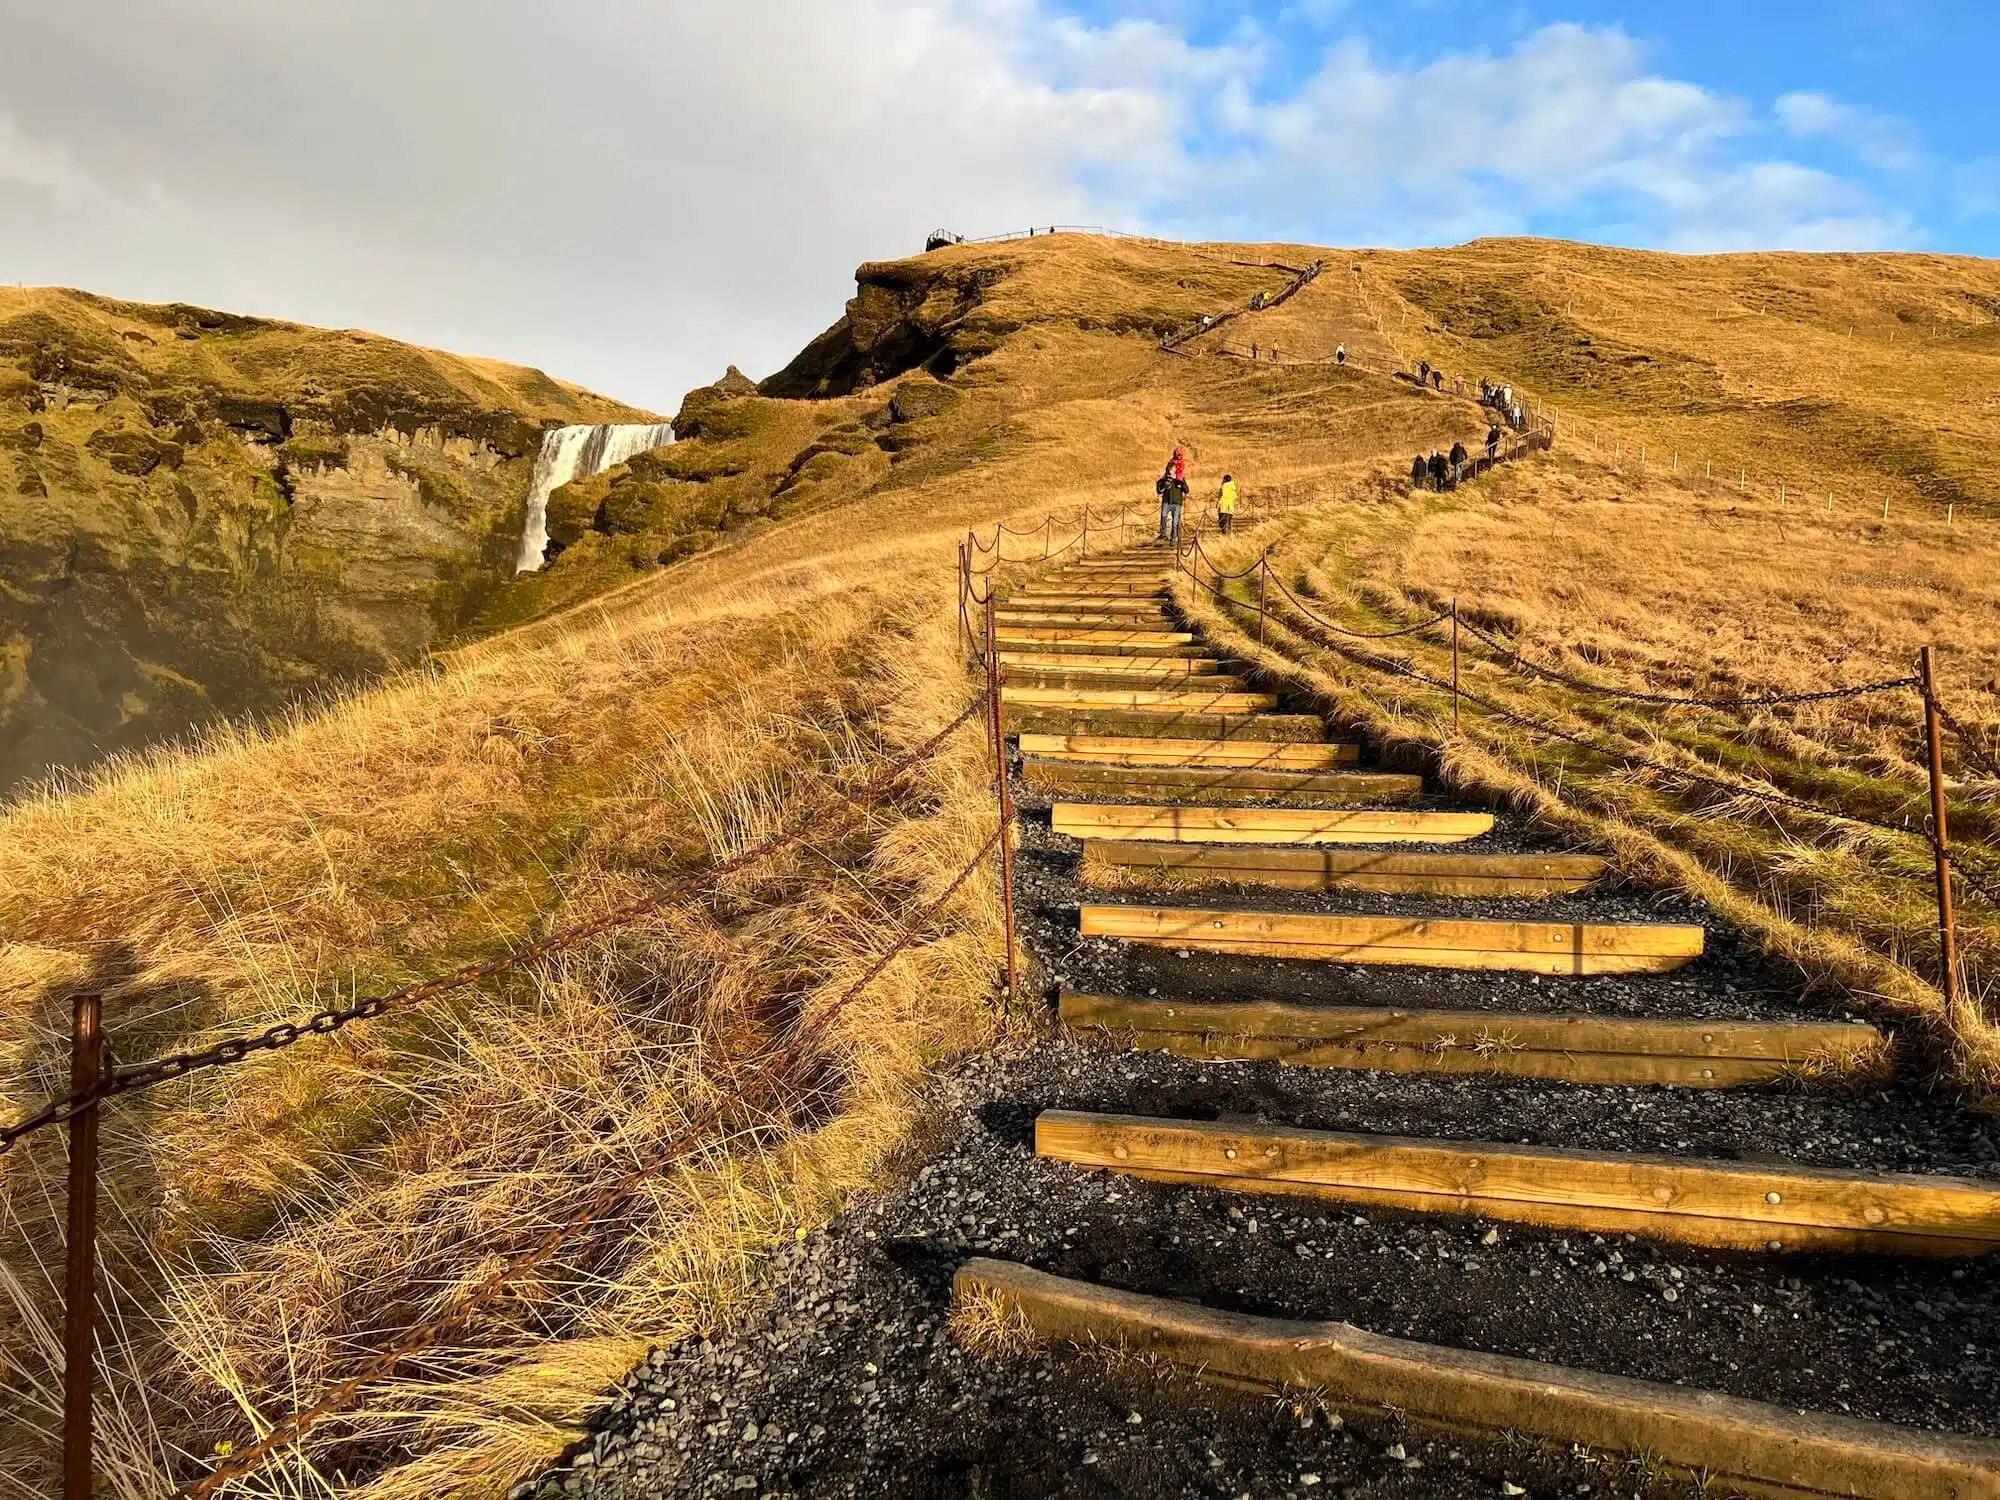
pixel 1881 141
pixel 632 194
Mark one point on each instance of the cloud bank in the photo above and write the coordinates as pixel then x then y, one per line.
pixel 632 194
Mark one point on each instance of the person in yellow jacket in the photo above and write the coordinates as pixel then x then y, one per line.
pixel 1225 503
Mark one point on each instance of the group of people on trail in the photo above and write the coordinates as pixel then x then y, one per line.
pixel 1501 398
pixel 1172 488
pixel 1447 471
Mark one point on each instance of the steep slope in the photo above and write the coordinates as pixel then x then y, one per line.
pixel 206 514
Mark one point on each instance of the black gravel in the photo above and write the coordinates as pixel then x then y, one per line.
pixel 845 1379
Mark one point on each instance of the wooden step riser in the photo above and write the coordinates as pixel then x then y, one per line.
pixel 1154 752
pixel 1211 786
pixel 1172 724
pixel 1492 875
pixel 1069 678
pixel 1129 596
pixel 1576 1049
pixel 1086 604
pixel 1732 1444
pixel 1167 669
pixel 1111 653
pixel 1262 826
pixel 1714 1204
pixel 1052 637
pixel 1553 948
pixel 1198 700
pixel 1152 623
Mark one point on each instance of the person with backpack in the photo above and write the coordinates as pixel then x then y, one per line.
pixel 1438 471
pixel 1423 372
pixel 1493 443
pixel 1340 354
pixel 1457 463
pixel 1418 470
pixel 1225 505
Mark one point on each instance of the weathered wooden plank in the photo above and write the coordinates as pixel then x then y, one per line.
pixel 1167 667
pixel 1115 604
pixel 1330 869
pixel 1167 721
pixel 1114 750
pixel 1732 1205
pixel 1131 675
pixel 1265 825
pixel 1733 1444
pixel 1198 700
pixel 1432 942
pixel 1233 783
pixel 1576 1048
pixel 1116 649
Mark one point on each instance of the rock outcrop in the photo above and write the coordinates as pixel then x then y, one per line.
pixel 203 514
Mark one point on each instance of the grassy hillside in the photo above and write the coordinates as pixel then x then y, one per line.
pixel 206 514
pixel 275 1222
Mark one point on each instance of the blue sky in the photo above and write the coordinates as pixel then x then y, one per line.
pixel 633 193
pixel 1845 124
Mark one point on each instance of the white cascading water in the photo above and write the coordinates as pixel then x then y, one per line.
pixel 578 453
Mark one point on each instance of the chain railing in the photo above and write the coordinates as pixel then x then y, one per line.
pixel 94 1083
pixel 1934 832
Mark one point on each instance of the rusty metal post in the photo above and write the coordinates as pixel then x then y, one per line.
pixel 1006 797
pixel 964 644
pixel 1263 579
pixel 1941 831
pixel 80 1281
pixel 1086 531
pixel 1454 666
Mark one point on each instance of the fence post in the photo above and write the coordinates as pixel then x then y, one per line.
pixel 964 645
pixel 1454 665
pixel 1263 578
pixel 1941 840
pixel 80 1280
pixel 1086 531
pixel 1006 797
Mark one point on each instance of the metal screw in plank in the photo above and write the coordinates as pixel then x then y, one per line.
pixel 80 1280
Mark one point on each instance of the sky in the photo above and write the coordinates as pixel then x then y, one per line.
pixel 633 194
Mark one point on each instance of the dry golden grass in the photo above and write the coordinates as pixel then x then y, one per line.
pixel 269 1226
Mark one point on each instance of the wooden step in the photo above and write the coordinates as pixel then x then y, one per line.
pixel 1222 783
pixel 1134 676
pixel 1114 587
pixel 1723 1442
pixel 1182 700
pixel 1427 942
pixel 1111 750
pixel 1261 825
pixel 1077 620
pixel 1329 870
pixel 1096 642
pixel 1719 1204
pixel 1112 604
pixel 1078 661
pixel 1161 720
pixel 1575 1048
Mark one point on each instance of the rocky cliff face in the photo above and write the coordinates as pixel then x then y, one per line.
pixel 203 514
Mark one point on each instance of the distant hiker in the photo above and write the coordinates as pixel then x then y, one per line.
pixel 1457 462
pixel 1164 488
pixel 1419 470
pixel 1423 372
pixel 1253 354
pixel 1438 471
pixel 1514 416
pixel 1340 354
pixel 1437 381
pixel 1506 395
pixel 1493 442
pixel 1225 504
pixel 1177 466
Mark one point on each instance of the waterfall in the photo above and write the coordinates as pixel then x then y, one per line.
pixel 578 453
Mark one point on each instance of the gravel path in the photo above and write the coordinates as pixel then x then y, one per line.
pixel 845 1378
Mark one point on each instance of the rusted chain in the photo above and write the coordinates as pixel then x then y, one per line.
pixel 275 1038
pixel 745 1093
pixel 1675 700
pixel 1359 635
pixel 1979 752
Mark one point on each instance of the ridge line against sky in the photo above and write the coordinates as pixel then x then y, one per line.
pixel 633 195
